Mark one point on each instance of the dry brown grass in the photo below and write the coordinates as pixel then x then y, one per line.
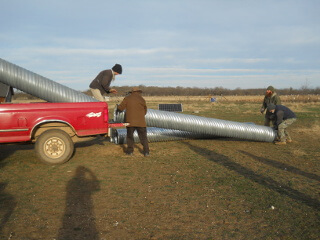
pixel 299 153
pixel 192 189
pixel 192 103
pixel 223 99
pixel 228 99
pixel 27 100
pixel 314 130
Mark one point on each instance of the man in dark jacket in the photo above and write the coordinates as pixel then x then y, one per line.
pixel 101 84
pixel 6 93
pixel 136 109
pixel 270 97
pixel 283 117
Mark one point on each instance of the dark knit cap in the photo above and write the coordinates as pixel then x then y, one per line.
pixel 271 88
pixel 271 106
pixel 117 68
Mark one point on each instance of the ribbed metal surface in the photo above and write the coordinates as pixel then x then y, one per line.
pixel 39 86
pixel 119 136
pixel 51 91
pixel 202 125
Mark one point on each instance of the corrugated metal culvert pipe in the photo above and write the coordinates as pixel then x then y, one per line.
pixel 202 125
pixel 51 91
pixel 119 136
pixel 39 86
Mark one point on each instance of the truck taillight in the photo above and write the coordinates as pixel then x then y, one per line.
pixel 105 115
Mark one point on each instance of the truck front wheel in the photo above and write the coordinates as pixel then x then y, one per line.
pixel 54 146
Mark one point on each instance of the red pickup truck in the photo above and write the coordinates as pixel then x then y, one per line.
pixel 52 126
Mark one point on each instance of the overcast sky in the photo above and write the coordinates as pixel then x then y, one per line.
pixel 188 43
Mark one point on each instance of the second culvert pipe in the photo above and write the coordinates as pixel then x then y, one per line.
pixel 203 125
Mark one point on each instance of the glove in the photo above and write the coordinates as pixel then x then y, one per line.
pixel 262 110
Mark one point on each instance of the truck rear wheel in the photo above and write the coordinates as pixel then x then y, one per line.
pixel 54 146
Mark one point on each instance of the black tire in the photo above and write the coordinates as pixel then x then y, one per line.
pixel 54 147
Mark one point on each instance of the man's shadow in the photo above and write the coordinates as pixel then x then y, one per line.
pixel 79 221
pixel 251 175
pixel 283 166
pixel 7 205
pixel 7 202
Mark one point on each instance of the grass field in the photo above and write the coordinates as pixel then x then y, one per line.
pixel 193 189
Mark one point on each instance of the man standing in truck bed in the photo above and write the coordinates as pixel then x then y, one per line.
pixel 101 84
pixel 6 93
pixel 136 109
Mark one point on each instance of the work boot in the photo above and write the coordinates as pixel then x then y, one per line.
pixel 280 143
pixel 146 154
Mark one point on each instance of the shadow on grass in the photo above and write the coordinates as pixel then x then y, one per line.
pixel 135 147
pixel 7 203
pixel 78 221
pixel 251 175
pixel 102 141
pixel 283 166
pixel 90 141
pixel 7 149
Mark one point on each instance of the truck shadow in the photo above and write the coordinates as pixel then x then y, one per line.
pixel 78 221
pixel 7 149
pixel 252 176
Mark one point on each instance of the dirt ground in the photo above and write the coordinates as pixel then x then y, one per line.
pixel 192 189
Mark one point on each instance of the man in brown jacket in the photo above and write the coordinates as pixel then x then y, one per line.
pixel 136 109
pixel 101 84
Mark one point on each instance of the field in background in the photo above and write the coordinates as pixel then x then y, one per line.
pixel 193 189
pixel 223 99
pixel 203 106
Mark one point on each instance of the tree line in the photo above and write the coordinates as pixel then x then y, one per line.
pixel 194 91
pixel 217 91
